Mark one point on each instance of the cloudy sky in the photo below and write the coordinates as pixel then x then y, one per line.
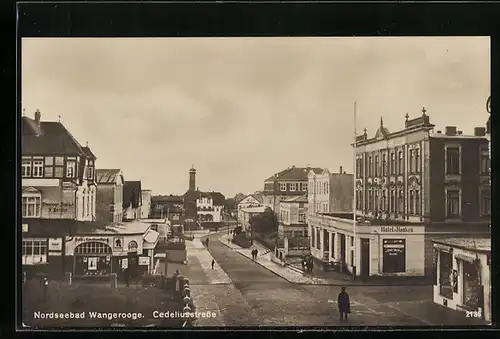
pixel 242 109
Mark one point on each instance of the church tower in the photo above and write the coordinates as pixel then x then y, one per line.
pixel 192 179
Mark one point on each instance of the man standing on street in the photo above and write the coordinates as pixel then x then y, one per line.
pixel 213 263
pixel 344 304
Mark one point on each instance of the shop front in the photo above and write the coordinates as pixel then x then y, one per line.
pixel 381 250
pixel 463 270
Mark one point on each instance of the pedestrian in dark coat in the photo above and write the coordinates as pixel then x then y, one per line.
pixel 344 304
pixel 213 263
pixel 256 253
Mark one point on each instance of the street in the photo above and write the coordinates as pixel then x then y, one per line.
pixel 258 297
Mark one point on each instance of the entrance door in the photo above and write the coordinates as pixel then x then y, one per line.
pixel 342 248
pixel 365 257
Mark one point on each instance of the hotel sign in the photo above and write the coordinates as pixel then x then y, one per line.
pixel 55 244
pixel 396 229
pixel 83 239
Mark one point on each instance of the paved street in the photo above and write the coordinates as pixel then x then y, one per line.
pixel 259 297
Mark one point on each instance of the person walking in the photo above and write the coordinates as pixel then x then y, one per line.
pixel 213 263
pixel 256 253
pixel 344 304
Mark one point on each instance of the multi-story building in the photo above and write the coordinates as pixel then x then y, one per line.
pixel 109 199
pixel 292 222
pixel 330 192
pixel 146 204
pixel 132 200
pixel 247 214
pixel 168 206
pixel 210 206
pixel 248 201
pixel 286 184
pixel 58 182
pixel 413 186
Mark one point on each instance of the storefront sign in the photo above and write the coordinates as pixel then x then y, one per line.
pixel 68 186
pixel 25 228
pixel 92 264
pixel 394 255
pixel 54 254
pixel 143 260
pixel 443 248
pixel 396 229
pixel 55 244
pixel 118 242
pixel 84 239
pixel 124 263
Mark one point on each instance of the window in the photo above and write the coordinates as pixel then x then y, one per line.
pixel 370 200
pixel 471 286
pixel 411 203
pixel 318 239
pixel 282 187
pixel 370 166
pixel 313 237
pixel 452 203
pixel 400 163
pixel 90 173
pixel 384 200
pixel 38 168
pixel 70 169
pixel 326 188
pixel 401 201
pixel 26 168
pixel 485 203
pixel 384 164
pixel 412 161
pixel 418 203
pixel 302 217
pixel 59 161
pixel 393 200
pixel 377 170
pixel 417 161
pixel 484 165
pixel 58 171
pixel 49 172
pixel 293 187
pixel 31 206
pixel 303 186
pixel 393 163
pixel 34 251
pixel 49 161
pixel 453 160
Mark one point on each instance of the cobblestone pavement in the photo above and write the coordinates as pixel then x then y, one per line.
pixel 259 297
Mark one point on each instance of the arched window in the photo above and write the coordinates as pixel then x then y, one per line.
pixel 132 246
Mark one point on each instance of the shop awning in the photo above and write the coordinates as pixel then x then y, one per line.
pixel 160 255
pixel 465 258
pixel 150 239
pixel 443 248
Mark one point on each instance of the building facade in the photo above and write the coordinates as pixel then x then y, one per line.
pixel 210 206
pixel 292 221
pixel 330 192
pixel 248 201
pixel 414 183
pixel 132 200
pixel 286 184
pixel 463 279
pixel 247 214
pixel 146 204
pixel 109 198
pixel 168 206
pixel 58 183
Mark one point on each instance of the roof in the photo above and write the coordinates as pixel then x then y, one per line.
pixel 259 209
pixel 294 173
pixel 258 196
pixel 48 138
pixel 469 243
pixel 300 198
pixel 151 236
pixel 133 227
pixel 132 194
pixel 382 132
pixel 106 176
pixel 88 152
pixel 166 198
pixel 456 136
pixel 60 227
pixel 218 198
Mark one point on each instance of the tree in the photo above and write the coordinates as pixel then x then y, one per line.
pixel 239 196
pixel 237 230
pixel 265 223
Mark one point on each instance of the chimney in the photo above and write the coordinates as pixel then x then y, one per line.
pixel 340 170
pixel 438 132
pixel 451 130
pixel 479 131
pixel 38 115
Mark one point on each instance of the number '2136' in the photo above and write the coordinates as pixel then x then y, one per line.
pixel 473 314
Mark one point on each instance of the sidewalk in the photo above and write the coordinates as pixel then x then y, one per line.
pixel 294 274
pixel 265 261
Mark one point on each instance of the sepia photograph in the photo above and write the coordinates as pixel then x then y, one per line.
pixel 266 182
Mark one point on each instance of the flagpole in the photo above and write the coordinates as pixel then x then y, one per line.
pixel 354 199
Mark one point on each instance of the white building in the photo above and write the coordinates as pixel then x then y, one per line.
pixel 248 201
pixel 247 214
pixel 463 273
pixel 210 207
pixel 292 218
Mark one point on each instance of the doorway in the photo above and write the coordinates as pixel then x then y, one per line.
pixel 342 248
pixel 365 257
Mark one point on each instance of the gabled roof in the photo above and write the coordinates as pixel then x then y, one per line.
pixel 166 198
pixel 88 152
pixel 294 173
pixel 48 138
pixel 258 196
pixel 106 176
pixel 132 194
pixel 219 198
